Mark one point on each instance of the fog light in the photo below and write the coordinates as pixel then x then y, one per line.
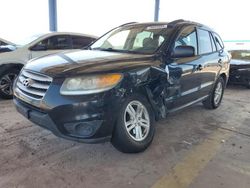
pixel 83 129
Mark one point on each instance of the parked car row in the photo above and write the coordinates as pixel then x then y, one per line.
pixel 130 77
pixel 12 61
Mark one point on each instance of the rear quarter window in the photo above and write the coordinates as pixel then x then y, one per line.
pixel 218 42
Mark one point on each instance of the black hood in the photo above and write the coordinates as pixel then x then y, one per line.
pixel 87 61
pixel 239 65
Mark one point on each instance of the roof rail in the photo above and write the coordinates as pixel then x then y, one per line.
pixel 175 22
pixel 127 24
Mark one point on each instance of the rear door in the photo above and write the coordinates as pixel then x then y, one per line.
pixel 210 60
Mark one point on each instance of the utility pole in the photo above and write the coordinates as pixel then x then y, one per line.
pixel 157 8
pixel 52 15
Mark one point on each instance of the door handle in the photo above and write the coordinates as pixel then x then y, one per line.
pixel 199 67
pixel 220 61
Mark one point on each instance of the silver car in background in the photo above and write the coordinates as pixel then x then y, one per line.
pixel 35 46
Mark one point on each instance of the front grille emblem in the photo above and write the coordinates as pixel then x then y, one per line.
pixel 27 82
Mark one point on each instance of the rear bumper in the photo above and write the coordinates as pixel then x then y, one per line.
pixel 87 131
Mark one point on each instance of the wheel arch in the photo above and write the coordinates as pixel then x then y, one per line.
pixel 224 76
pixel 7 66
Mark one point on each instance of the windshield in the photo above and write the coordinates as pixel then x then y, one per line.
pixel 28 40
pixel 135 39
pixel 241 54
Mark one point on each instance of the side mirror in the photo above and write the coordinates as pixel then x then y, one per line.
pixel 39 47
pixel 183 51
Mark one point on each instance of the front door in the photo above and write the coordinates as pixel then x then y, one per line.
pixel 184 73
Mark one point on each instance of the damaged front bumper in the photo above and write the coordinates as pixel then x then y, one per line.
pixel 87 119
pixel 82 131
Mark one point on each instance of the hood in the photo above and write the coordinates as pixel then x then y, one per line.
pixel 239 62
pixel 239 65
pixel 87 61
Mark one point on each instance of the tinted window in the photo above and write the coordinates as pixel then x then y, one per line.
pixel 218 42
pixel 205 45
pixel 187 38
pixel 80 42
pixel 2 43
pixel 56 42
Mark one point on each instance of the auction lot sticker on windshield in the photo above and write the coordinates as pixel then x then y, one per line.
pixel 157 27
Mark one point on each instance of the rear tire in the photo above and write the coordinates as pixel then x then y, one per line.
pixel 7 77
pixel 215 97
pixel 134 129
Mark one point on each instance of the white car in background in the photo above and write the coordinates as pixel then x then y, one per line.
pixel 4 42
pixel 39 45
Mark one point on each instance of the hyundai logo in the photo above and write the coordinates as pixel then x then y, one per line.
pixel 27 82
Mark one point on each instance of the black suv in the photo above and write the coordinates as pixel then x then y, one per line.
pixel 133 75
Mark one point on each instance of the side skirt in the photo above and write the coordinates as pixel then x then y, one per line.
pixel 188 104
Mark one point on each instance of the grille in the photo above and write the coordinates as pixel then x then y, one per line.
pixel 33 84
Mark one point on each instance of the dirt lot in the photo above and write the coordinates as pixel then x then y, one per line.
pixel 33 157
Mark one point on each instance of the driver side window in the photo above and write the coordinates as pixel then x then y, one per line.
pixel 187 38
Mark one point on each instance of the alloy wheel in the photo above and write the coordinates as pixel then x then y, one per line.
pixel 6 83
pixel 218 93
pixel 137 121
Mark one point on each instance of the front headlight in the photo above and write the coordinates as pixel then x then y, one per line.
pixel 90 84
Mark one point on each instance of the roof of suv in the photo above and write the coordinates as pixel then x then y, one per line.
pixel 175 23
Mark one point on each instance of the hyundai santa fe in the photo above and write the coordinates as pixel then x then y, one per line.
pixel 131 76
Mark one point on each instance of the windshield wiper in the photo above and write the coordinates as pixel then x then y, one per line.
pixel 116 50
pixel 120 51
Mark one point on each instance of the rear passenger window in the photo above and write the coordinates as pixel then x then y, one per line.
pixel 187 38
pixel 59 42
pixel 218 42
pixel 205 45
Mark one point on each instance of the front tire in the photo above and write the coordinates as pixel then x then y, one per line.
pixel 134 129
pixel 215 97
pixel 7 77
